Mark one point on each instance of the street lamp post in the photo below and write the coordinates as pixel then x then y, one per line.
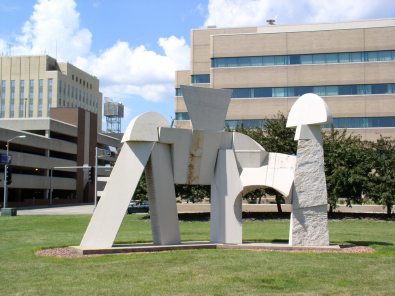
pixel 5 210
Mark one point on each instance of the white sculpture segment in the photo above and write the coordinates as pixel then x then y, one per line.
pixel 226 189
pixel 162 197
pixel 309 218
pixel 232 163
pixel 109 213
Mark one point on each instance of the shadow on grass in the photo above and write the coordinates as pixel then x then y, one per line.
pixel 369 243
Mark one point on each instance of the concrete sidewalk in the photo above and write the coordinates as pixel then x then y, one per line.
pixel 59 210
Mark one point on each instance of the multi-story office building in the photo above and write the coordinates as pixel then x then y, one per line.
pixel 32 85
pixel 66 140
pixel 350 64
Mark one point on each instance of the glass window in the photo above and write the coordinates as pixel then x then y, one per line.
pixel 306 59
pixel 332 58
pixel 279 92
pixel 31 97
pixel 279 60
pixel 49 94
pixel 12 99
pixel 356 57
pixel 201 78
pixel 344 57
pixel 363 122
pixel 364 89
pixel 347 89
pixel 40 97
pixel 384 56
pixel 301 90
pixel 241 93
pixel 332 90
pixel 255 61
pixel 325 58
pixel 319 90
pixel 21 98
pixel 182 116
pixel 262 92
pixel 294 59
pixel 379 88
pixel 319 59
pixel 268 61
pixel 243 61
pixel 371 56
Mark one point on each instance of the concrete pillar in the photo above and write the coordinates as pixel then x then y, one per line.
pixel 226 212
pixel 162 197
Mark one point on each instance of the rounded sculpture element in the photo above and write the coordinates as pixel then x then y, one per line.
pixel 309 109
pixel 145 127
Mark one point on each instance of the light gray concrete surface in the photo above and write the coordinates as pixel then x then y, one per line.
pixel 64 210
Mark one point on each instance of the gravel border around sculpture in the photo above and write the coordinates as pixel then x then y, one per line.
pixel 69 252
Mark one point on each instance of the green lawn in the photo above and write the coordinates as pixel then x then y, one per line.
pixel 200 272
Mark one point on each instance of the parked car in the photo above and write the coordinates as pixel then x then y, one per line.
pixel 138 207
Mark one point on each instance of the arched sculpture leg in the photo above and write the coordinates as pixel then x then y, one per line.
pixel 111 209
pixel 226 212
pixel 309 216
pixel 162 197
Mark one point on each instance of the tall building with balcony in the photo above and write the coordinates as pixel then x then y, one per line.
pixel 32 85
pixel 350 64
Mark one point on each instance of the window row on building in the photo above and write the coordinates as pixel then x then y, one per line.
pixel 71 92
pixel 304 59
pixel 340 122
pixel 25 107
pixel 324 90
pixel 81 81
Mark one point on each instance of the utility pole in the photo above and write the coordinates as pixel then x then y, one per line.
pixel 8 211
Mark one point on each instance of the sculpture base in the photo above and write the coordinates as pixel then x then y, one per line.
pixel 8 212
pixel 149 247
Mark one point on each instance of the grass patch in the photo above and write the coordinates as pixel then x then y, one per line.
pixel 199 272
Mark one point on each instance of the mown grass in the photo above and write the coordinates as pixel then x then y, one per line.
pixel 199 272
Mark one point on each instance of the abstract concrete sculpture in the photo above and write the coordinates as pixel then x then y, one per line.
pixel 230 162
pixel 309 196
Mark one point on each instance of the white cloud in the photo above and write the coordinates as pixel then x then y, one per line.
pixel 124 70
pixel 237 13
pixel 54 28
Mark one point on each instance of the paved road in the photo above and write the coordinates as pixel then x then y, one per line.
pixel 67 210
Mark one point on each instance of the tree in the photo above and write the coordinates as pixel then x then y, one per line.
pixel 141 190
pixel 192 193
pixel 347 163
pixel 381 182
pixel 274 136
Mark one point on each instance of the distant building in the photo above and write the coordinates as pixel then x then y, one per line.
pixel 68 139
pixel 350 64
pixel 32 85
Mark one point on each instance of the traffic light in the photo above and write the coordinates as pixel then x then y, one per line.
pixel 91 174
pixel 8 175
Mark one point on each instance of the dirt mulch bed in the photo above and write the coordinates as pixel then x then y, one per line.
pixel 69 252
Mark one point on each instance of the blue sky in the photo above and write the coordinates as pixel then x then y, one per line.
pixel 134 46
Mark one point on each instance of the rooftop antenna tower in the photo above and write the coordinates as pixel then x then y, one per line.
pixel 113 112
